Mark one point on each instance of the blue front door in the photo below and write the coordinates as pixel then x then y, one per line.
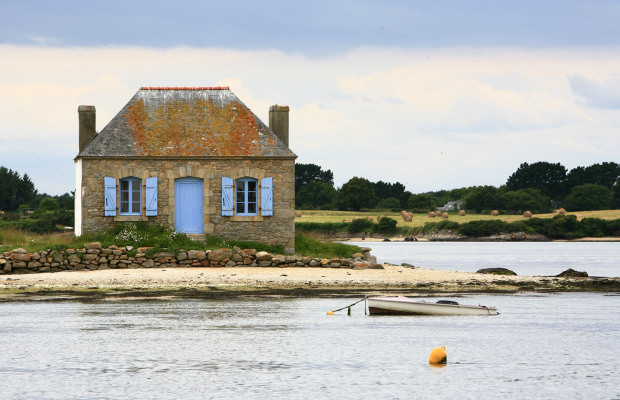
pixel 188 205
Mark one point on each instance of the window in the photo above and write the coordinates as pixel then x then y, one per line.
pixel 131 196
pixel 247 196
pixel 241 197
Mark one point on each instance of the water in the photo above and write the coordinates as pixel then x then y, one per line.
pixel 524 258
pixel 542 346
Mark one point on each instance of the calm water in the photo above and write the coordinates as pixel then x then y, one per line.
pixel 551 346
pixel 524 258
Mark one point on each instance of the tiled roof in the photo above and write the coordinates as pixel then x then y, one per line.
pixel 186 121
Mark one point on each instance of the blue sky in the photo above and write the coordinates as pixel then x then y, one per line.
pixel 435 95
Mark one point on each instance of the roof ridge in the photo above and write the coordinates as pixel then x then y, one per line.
pixel 185 88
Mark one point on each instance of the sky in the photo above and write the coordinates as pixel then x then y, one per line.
pixel 434 95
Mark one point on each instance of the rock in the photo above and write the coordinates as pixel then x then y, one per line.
pixel 18 256
pixel 149 263
pixel 406 265
pixel 20 250
pixel 496 271
pixel 263 256
pixel 219 255
pixel 376 266
pixel 94 245
pixel 197 255
pixel 387 240
pixel 571 273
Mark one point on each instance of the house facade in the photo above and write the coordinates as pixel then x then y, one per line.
pixel 195 159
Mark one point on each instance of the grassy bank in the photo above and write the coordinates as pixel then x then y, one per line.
pixel 141 235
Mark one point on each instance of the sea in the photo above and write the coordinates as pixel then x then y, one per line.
pixel 541 346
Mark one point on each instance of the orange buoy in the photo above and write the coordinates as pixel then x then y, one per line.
pixel 438 356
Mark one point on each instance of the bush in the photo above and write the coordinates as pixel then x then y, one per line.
pixel 386 225
pixel 482 228
pixel 594 227
pixel 360 225
pixel 326 227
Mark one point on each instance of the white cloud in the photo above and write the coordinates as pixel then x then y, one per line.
pixel 431 119
pixel 597 94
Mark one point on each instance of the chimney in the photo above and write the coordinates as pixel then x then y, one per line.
pixel 87 116
pixel 278 122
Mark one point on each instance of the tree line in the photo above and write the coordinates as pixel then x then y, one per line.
pixel 22 206
pixel 539 187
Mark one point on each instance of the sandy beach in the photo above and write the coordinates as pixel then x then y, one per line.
pixel 295 281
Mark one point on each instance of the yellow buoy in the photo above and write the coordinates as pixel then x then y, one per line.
pixel 330 313
pixel 438 356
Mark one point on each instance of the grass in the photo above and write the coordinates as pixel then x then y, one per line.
pixel 158 237
pixel 419 220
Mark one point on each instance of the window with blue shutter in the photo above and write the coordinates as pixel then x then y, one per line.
pixel 130 196
pixel 110 196
pixel 151 196
pixel 246 197
pixel 266 196
pixel 227 196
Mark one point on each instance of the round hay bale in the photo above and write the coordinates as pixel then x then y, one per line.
pixel 461 213
pixel 561 211
pixel 527 214
pixel 297 214
pixel 403 212
pixel 431 214
pixel 444 215
pixel 371 219
pixel 407 218
pixel 410 214
pixel 494 213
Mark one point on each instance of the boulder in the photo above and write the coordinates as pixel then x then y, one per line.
pixel 496 271
pixel 571 273
pixel 218 255
pixel 263 256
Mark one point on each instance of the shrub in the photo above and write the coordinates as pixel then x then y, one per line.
pixel 482 228
pixel 386 225
pixel 360 225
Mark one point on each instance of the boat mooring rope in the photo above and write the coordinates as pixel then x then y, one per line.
pixel 349 307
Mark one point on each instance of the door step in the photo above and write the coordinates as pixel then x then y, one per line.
pixel 198 237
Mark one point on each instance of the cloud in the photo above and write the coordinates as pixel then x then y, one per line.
pixel 604 94
pixel 429 118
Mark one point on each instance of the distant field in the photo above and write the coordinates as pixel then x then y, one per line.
pixel 421 219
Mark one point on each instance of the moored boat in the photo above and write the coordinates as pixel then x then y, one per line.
pixel 407 305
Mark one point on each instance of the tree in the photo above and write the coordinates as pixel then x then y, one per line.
pixel 588 197
pixel 483 198
pixel 606 174
pixel 421 203
pixel 48 204
pixel 356 194
pixel 306 173
pixel 15 190
pixel 315 194
pixel 526 200
pixel 550 179
pixel 389 204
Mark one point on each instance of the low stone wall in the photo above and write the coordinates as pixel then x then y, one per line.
pixel 94 257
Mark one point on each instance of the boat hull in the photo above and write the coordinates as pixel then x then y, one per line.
pixel 406 305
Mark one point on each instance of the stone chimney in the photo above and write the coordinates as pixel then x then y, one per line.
pixel 87 116
pixel 278 122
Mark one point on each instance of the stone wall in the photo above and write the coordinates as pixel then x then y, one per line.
pixel 276 229
pixel 94 257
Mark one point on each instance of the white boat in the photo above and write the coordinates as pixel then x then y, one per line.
pixel 407 305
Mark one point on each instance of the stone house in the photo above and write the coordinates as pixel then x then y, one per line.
pixel 195 159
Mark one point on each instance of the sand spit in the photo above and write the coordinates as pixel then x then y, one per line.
pixel 210 282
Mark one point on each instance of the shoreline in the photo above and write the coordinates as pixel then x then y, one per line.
pixel 205 282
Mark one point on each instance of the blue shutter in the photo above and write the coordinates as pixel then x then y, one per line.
pixel 110 196
pixel 227 197
pixel 151 196
pixel 266 196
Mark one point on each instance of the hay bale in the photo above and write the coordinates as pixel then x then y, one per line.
pixel 402 213
pixel 527 214
pixel 371 219
pixel 494 213
pixel 297 214
pixel 431 214
pixel 444 215
pixel 356 218
pixel 461 213
pixel 408 217
pixel 560 211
